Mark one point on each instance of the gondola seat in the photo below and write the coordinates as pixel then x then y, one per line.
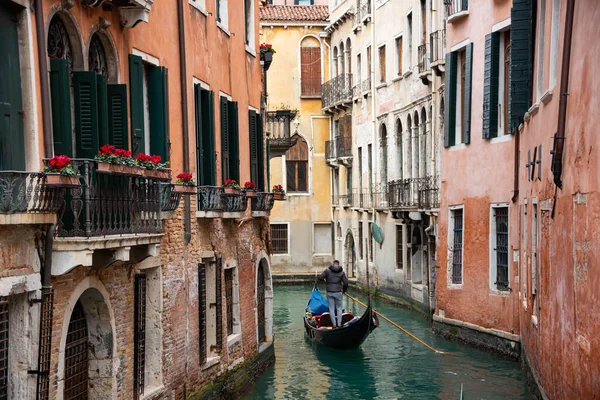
pixel 324 320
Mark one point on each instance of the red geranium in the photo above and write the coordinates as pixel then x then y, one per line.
pixel 155 159
pixel 185 178
pixel 143 157
pixel 60 164
pixel 278 188
pixel 231 183
pixel 250 186
pixel 107 149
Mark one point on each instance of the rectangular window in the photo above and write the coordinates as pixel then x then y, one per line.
pixel 222 13
pixel 297 173
pixel 370 241
pixel 249 22
pixel 525 270
pixel 554 42
pixel 399 247
pixel 219 305
pixel 257 154
pixel 457 245
pixel 358 69
pixel 229 299
pixel 4 349
pixel 423 22
pixel 382 65
pixel 279 238
pixel 360 240
pixel 202 313
pixel 534 252
pixel 322 243
pixel 303 2
pixel 457 113
pixel 230 156
pixel 409 37
pixel 310 68
pixel 500 247
pixel 370 164
pixel 399 55
pixel 496 84
pixel 204 117
pixel 139 333
pixel 369 62
pixel 541 34
pixel 349 181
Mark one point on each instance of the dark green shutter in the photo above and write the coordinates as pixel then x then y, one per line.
pixel 225 174
pixel 158 96
pixel 268 159
pixel 261 154
pixel 253 133
pixel 521 62
pixel 208 100
pixel 118 132
pixel 86 114
pixel 136 93
pixel 200 151
pixel 234 141
pixel 102 110
pixel 60 93
pixel 490 85
pixel 468 89
pixel 449 101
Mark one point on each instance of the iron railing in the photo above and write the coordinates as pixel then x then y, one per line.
pixel 169 197
pixel 455 6
pixel 263 202
pixel 356 90
pixel 110 204
pixel 343 146
pixel 237 203
pixel 27 192
pixel 423 58
pixel 381 197
pixel 437 46
pixel 278 126
pixel 363 10
pixel 346 200
pixel 210 198
pixel 337 91
pixel 330 151
pixel 366 85
pixel 413 193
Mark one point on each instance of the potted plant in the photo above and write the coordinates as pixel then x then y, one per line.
pixel 59 172
pixel 113 160
pixel 231 187
pixel 154 166
pixel 278 192
pixel 185 184
pixel 266 54
pixel 250 189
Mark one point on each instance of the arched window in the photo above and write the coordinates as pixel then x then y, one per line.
pixel 409 147
pixel 335 62
pixel 424 153
pixel 349 55
pixel 399 148
pixel 59 45
pixel 310 67
pixel 97 56
pixel 341 59
pixel 384 152
pixel 297 166
pixel 416 146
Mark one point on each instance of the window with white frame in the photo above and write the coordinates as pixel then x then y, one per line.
pixel 232 302
pixel 382 64
pixel 554 42
pixel 455 246
pixel 358 69
pixel 208 293
pixel 496 85
pixel 534 253
pixel 279 239
pixel 524 269
pixel 541 33
pixel 458 96
pixel 409 36
pixel 398 42
pixel 249 22
pixel 499 271
pixel 222 12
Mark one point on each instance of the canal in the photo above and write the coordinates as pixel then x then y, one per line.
pixel 388 365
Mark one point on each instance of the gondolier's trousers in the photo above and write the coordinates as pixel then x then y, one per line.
pixel 334 299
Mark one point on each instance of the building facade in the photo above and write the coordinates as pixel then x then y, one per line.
pixel 301 241
pixel 117 285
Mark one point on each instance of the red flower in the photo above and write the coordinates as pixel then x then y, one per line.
pixel 107 149
pixel 185 176
pixel 143 157
pixel 155 159
pixel 122 153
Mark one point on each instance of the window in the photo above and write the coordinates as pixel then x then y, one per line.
pixel 541 33
pixel 4 349
pixel 204 117
pixel 209 295
pixel 360 179
pixel 279 238
pixel 229 299
pixel 368 63
pixel 348 181
pixel 499 247
pixel 370 241
pixel 140 333
pixel 322 243
pixel 232 307
pixel 554 41
pixel 249 23
pixel 310 67
pixel 384 155
pixel 455 245
pixel 358 69
pixel 399 247
pixel 457 126
pixel 230 150
pixel 525 270
pixel 202 313
pixel 423 22
pixel 296 160
pixel 534 251
pixel 496 84
pixel 360 240
pixel 399 55
pixel 257 153
pixel 409 37
pixel 382 77
pixel 222 13
pixel 304 2
pixel 370 171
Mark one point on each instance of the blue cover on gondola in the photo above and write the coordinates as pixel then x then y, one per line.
pixel 317 303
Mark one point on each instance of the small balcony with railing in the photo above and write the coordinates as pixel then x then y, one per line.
pixel 262 204
pixel 456 9
pixel 337 93
pixel 338 151
pixel 220 202
pixel 278 131
pixel 363 12
pixel 366 86
pixel 423 64
pixel 437 51
pixel 413 194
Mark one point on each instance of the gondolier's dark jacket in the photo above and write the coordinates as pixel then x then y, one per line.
pixel 335 279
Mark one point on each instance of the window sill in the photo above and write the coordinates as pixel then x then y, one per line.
pixel 234 339
pixel 457 147
pixel 381 85
pixel 280 254
pixel 503 293
pixel 223 28
pixel 250 51
pixel 501 139
pixel 458 16
pixel 546 97
pixel 534 109
pixel 299 194
pixel 407 74
pixel 210 362
pixel 198 7
pixel 455 286
pixel 315 97
pixel 398 78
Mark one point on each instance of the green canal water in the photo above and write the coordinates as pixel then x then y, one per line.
pixel 388 365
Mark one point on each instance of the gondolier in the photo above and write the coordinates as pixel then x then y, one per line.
pixel 336 284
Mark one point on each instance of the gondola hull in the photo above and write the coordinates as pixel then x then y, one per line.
pixel 347 337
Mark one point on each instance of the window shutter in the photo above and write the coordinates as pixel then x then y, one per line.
pixel 468 90
pixel 209 135
pixel 302 182
pixel 449 100
pixel 118 132
pixel 305 56
pixel 261 154
pixel 490 85
pixel 102 109
pixel 199 128
pixel 158 94
pixel 348 130
pixel 225 173
pixel 234 141
pixel 86 114
pixel 60 93
pixel 136 93
pixel 254 172
pixel 291 176
pixel 315 71
pixel 521 62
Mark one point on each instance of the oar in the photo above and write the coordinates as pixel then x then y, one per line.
pixel 399 327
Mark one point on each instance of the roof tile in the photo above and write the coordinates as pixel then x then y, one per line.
pixel 270 13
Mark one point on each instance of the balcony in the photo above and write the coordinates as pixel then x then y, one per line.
pixel 331 153
pixel 366 86
pixel 25 198
pixel 456 9
pixel 437 53
pixel 214 203
pixel 415 193
pixel 364 11
pixel 278 131
pixel 337 93
pixel 131 12
pixel 262 204
pixel 381 198
pixel 424 68
pixel 338 151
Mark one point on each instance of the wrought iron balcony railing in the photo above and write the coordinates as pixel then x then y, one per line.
pixel 263 202
pixel 364 9
pixel 343 147
pixel 169 197
pixel 381 197
pixel 210 198
pixel 110 204
pixel 279 131
pixel 356 90
pixel 330 151
pixel 235 204
pixel 455 6
pixel 423 58
pixel 366 85
pixel 420 193
pixel 346 200
pixel 27 192
pixel 337 91
pixel 437 46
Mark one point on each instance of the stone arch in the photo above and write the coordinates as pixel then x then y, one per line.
pixel 383 141
pixel 263 262
pixel 335 62
pixel 399 149
pixel 108 46
pixel 349 55
pixel 409 147
pixel 425 145
pixel 93 297
pixel 66 18
pixel 350 254
pixel 342 60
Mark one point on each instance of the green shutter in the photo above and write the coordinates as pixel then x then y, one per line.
pixel 234 141
pixel 521 62
pixel 86 114
pixel 261 154
pixel 208 102
pixel 102 110
pixel 118 132
pixel 450 101
pixel 253 135
pixel 199 128
pixel 136 99
pixel 468 90
pixel 158 95
pixel 60 93
pixel 490 85
pixel 225 174
pixel 268 188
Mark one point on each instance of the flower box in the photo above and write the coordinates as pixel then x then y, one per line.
pixel 231 191
pixel 118 169
pixel 162 174
pixel 280 196
pixel 250 193
pixel 61 180
pixel 185 189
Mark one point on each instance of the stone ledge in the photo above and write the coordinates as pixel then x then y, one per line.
pixel 19 284
pixel 27 219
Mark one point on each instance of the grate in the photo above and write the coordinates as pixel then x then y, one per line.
pixel 279 239
pixel 202 310
pixel 43 380
pixel 399 247
pixel 218 284
pixel 229 299
pixel 139 355
pixel 458 247
pixel 4 327
pixel 76 356
pixel 260 300
pixel 502 248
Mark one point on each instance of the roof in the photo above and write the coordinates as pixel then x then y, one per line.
pixel 314 14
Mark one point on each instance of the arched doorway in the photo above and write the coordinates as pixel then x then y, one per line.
pixel 417 255
pixel 260 302
pixel 76 356
pixel 350 255
pixel 264 303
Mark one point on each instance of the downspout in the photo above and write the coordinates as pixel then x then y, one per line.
pixel 374 157
pixel 184 115
pixel 429 231
pixel 515 196
pixel 40 33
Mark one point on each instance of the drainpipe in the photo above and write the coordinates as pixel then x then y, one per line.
pixel 429 231
pixel 516 167
pixel 374 157
pixel 43 68
pixel 184 115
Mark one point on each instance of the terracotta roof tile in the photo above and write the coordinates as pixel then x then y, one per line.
pixel 294 13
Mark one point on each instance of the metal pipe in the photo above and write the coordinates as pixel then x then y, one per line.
pixel 40 33
pixel 47 269
pixel 515 196
pixel 184 115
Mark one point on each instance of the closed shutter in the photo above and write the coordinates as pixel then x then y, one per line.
pixel 86 114
pixel 302 180
pixel 449 100
pixel 136 93
pixel 305 70
pixel 208 100
pixel 490 85
pixel 225 173
pixel 261 154
pixel 60 93
pixel 102 110
pixel 253 146
pixel 158 94
pixel 468 91
pixel 521 62
pixel 118 132
pixel 234 141
pixel 382 64
pixel 348 130
pixel 198 117
pixel 219 316
pixel 310 69
pixel 290 173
